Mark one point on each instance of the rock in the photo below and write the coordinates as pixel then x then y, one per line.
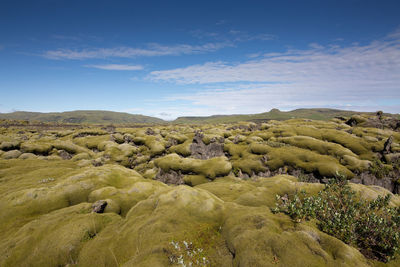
pixel 150 131
pixel 200 150
pixel 170 177
pixel 109 128
pixel 387 146
pixel 370 179
pixel 379 114
pixel 64 154
pixel 99 206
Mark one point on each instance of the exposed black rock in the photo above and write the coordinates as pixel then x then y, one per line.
pixel 99 206
pixel 200 150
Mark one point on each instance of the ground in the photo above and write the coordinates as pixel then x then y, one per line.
pixel 177 194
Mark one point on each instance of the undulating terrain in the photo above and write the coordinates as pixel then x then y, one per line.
pixel 171 194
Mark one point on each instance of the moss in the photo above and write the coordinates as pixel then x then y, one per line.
pixel 194 180
pixel 36 148
pixel 182 149
pixel 119 138
pixel 208 137
pixel 91 142
pixel 155 145
pixel 180 138
pixel 250 165
pixel 68 226
pixel 304 159
pixel 236 150
pixel 27 156
pixel 322 147
pixel 81 156
pixel 102 146
pixel 9 145
pixel 354 143
pixel 89 132
pixel 210 168
pixel 355 164
pixel 69 147
pixel 12 154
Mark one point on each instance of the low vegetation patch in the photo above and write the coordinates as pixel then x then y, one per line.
pixel 371 226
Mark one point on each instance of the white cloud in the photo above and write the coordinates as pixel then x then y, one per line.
pixel 116 67
pixel 361 77
pixel 130 52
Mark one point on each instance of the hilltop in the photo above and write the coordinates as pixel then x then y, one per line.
pixel 81 116
pixel 273 114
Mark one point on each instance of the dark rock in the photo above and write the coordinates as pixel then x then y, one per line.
pixel 170 177
pixel 351 122
pixel 370 179
pixel 340 118
pixel 236 139
pixel 171 142
pixel 379 114
pixel 64 154
pixel 388 145
pixel 109 128
pixel 99 206
pixel 200 150
pixel 150 131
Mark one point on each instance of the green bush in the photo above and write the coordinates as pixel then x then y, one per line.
pixel 372 226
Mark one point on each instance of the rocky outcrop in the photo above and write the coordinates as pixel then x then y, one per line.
pixel 200 150
pixel 170 177
pixel 99 206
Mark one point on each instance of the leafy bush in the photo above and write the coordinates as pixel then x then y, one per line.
pixel 372 226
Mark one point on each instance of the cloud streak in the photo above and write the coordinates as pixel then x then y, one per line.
pixel 115 67
pixel 130 52
pixel 358 76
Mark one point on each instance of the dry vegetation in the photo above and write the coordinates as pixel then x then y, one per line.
pixel 173 194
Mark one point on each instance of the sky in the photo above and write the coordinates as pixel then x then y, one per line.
pixel 197 58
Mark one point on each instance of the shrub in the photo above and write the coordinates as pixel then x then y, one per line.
pixel 372 226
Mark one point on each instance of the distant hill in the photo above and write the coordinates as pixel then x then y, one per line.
pixel 273 114
pixel 81 116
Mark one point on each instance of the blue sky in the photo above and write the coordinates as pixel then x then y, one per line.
pixel 182 58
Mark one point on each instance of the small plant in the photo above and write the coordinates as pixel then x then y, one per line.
pixel 184 253
pixel 372 226
pixel 197 249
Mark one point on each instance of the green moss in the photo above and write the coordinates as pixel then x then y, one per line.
pixel 182 149
pixel 194 180
pixel 36 148
pixel 119 138
pixel 250 165
pixel 69 227
pixel 27 156
pixel 355 164
pixel 69 147
pixel 322 147
pixel 210 168
pixel 81 156
pixel 304 159
pixel 12 154
pixel 9 145
pixel 91 142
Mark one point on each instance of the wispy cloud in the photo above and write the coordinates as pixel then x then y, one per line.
pixel 130 52
pixel 356 76
pixel 115 67
pixel 66 37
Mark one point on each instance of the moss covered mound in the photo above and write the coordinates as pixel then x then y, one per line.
pixel 48 205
